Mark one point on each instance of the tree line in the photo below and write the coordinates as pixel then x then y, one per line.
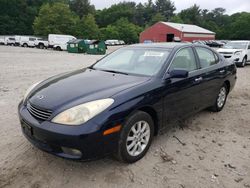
pixel 122 21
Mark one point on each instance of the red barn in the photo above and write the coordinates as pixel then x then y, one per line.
pixel 168 32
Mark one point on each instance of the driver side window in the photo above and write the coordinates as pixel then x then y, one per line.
pixel 184 60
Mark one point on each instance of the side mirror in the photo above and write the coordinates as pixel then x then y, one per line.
pixel 178 73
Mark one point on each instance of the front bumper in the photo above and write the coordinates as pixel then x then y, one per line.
pixel 233 58
pixel 80 142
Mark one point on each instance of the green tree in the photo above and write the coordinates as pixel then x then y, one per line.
pixel 139 18
pixel 55 18
pixel 156 18
pixel 16 17
pixel 165 8
pixel 87 28
pixel 82 7
pixel 128 32
pixel 191 15
pixel 109 32
pixel 176 19
pixel 149 11
pixel 240 26
pixel 110 15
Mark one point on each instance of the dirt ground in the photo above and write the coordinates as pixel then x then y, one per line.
pixel 215 153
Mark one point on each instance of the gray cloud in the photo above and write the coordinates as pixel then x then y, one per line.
pixel 232 6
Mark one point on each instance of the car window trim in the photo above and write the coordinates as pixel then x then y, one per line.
pixel 199 58
pixel 197 65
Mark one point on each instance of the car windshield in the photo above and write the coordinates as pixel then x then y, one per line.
pixel 236 45
pixel 147 62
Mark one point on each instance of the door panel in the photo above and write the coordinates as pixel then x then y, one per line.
pixel 181 95
pixel 212 72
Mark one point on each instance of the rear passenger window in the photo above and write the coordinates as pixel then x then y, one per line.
pixel 207 57
pixel 185 60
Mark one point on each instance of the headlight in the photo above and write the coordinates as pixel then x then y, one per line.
pixel 82 113
pixel 30 89
pixel 237 53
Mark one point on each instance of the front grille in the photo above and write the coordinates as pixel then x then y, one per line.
pixel 38 113
pixel 226 52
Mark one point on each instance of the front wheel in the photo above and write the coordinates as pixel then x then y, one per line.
pixel 220 99
pixel 244 61
pixel 136 137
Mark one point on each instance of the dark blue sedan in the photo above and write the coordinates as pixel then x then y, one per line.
pixel 120 103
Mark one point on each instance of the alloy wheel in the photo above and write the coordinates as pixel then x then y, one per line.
pixel 138 138
pixel 221 97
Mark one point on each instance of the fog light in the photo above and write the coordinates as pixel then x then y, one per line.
pixel 71 151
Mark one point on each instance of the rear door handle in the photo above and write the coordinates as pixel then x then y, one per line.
pixel 198 79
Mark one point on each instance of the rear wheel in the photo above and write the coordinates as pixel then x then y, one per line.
pixel 41 46
pixel 58 48
pixel 136 137
pixel 25 45
pixel 220 99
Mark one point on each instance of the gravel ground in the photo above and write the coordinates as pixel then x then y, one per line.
pixel 215 153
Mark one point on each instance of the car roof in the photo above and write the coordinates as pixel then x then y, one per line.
pixel 169 45
pixel 239 41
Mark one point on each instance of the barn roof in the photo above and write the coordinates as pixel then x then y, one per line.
pixel 188 28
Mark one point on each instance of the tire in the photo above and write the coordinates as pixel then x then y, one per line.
pixel 41 46
pixel 25 45
pixel 132 150
pixel 243 63
pixel 58 48
pixel 220 99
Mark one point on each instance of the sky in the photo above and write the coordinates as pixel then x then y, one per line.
pixel 232 6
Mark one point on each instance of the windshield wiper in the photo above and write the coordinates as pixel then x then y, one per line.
pixel 113 71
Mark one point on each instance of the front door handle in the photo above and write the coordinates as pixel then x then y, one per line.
pixel 198 79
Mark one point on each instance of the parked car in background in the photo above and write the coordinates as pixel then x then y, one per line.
pixel 59 42
pixel 120 103
pixel 9 40
pixel 114 42
pixel 17 40
pixel 147 41
pixel 237 52
pixel 41 43
pixel 27 41
pixel 1 40
pixel 121 42
pixel 199 42
pixel 111 42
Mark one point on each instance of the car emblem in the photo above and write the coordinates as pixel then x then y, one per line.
pixel 40 97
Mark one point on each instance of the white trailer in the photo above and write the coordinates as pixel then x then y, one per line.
pixel 59 42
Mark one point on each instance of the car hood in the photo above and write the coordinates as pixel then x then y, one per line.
pixel 223 50
pixel 81 86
